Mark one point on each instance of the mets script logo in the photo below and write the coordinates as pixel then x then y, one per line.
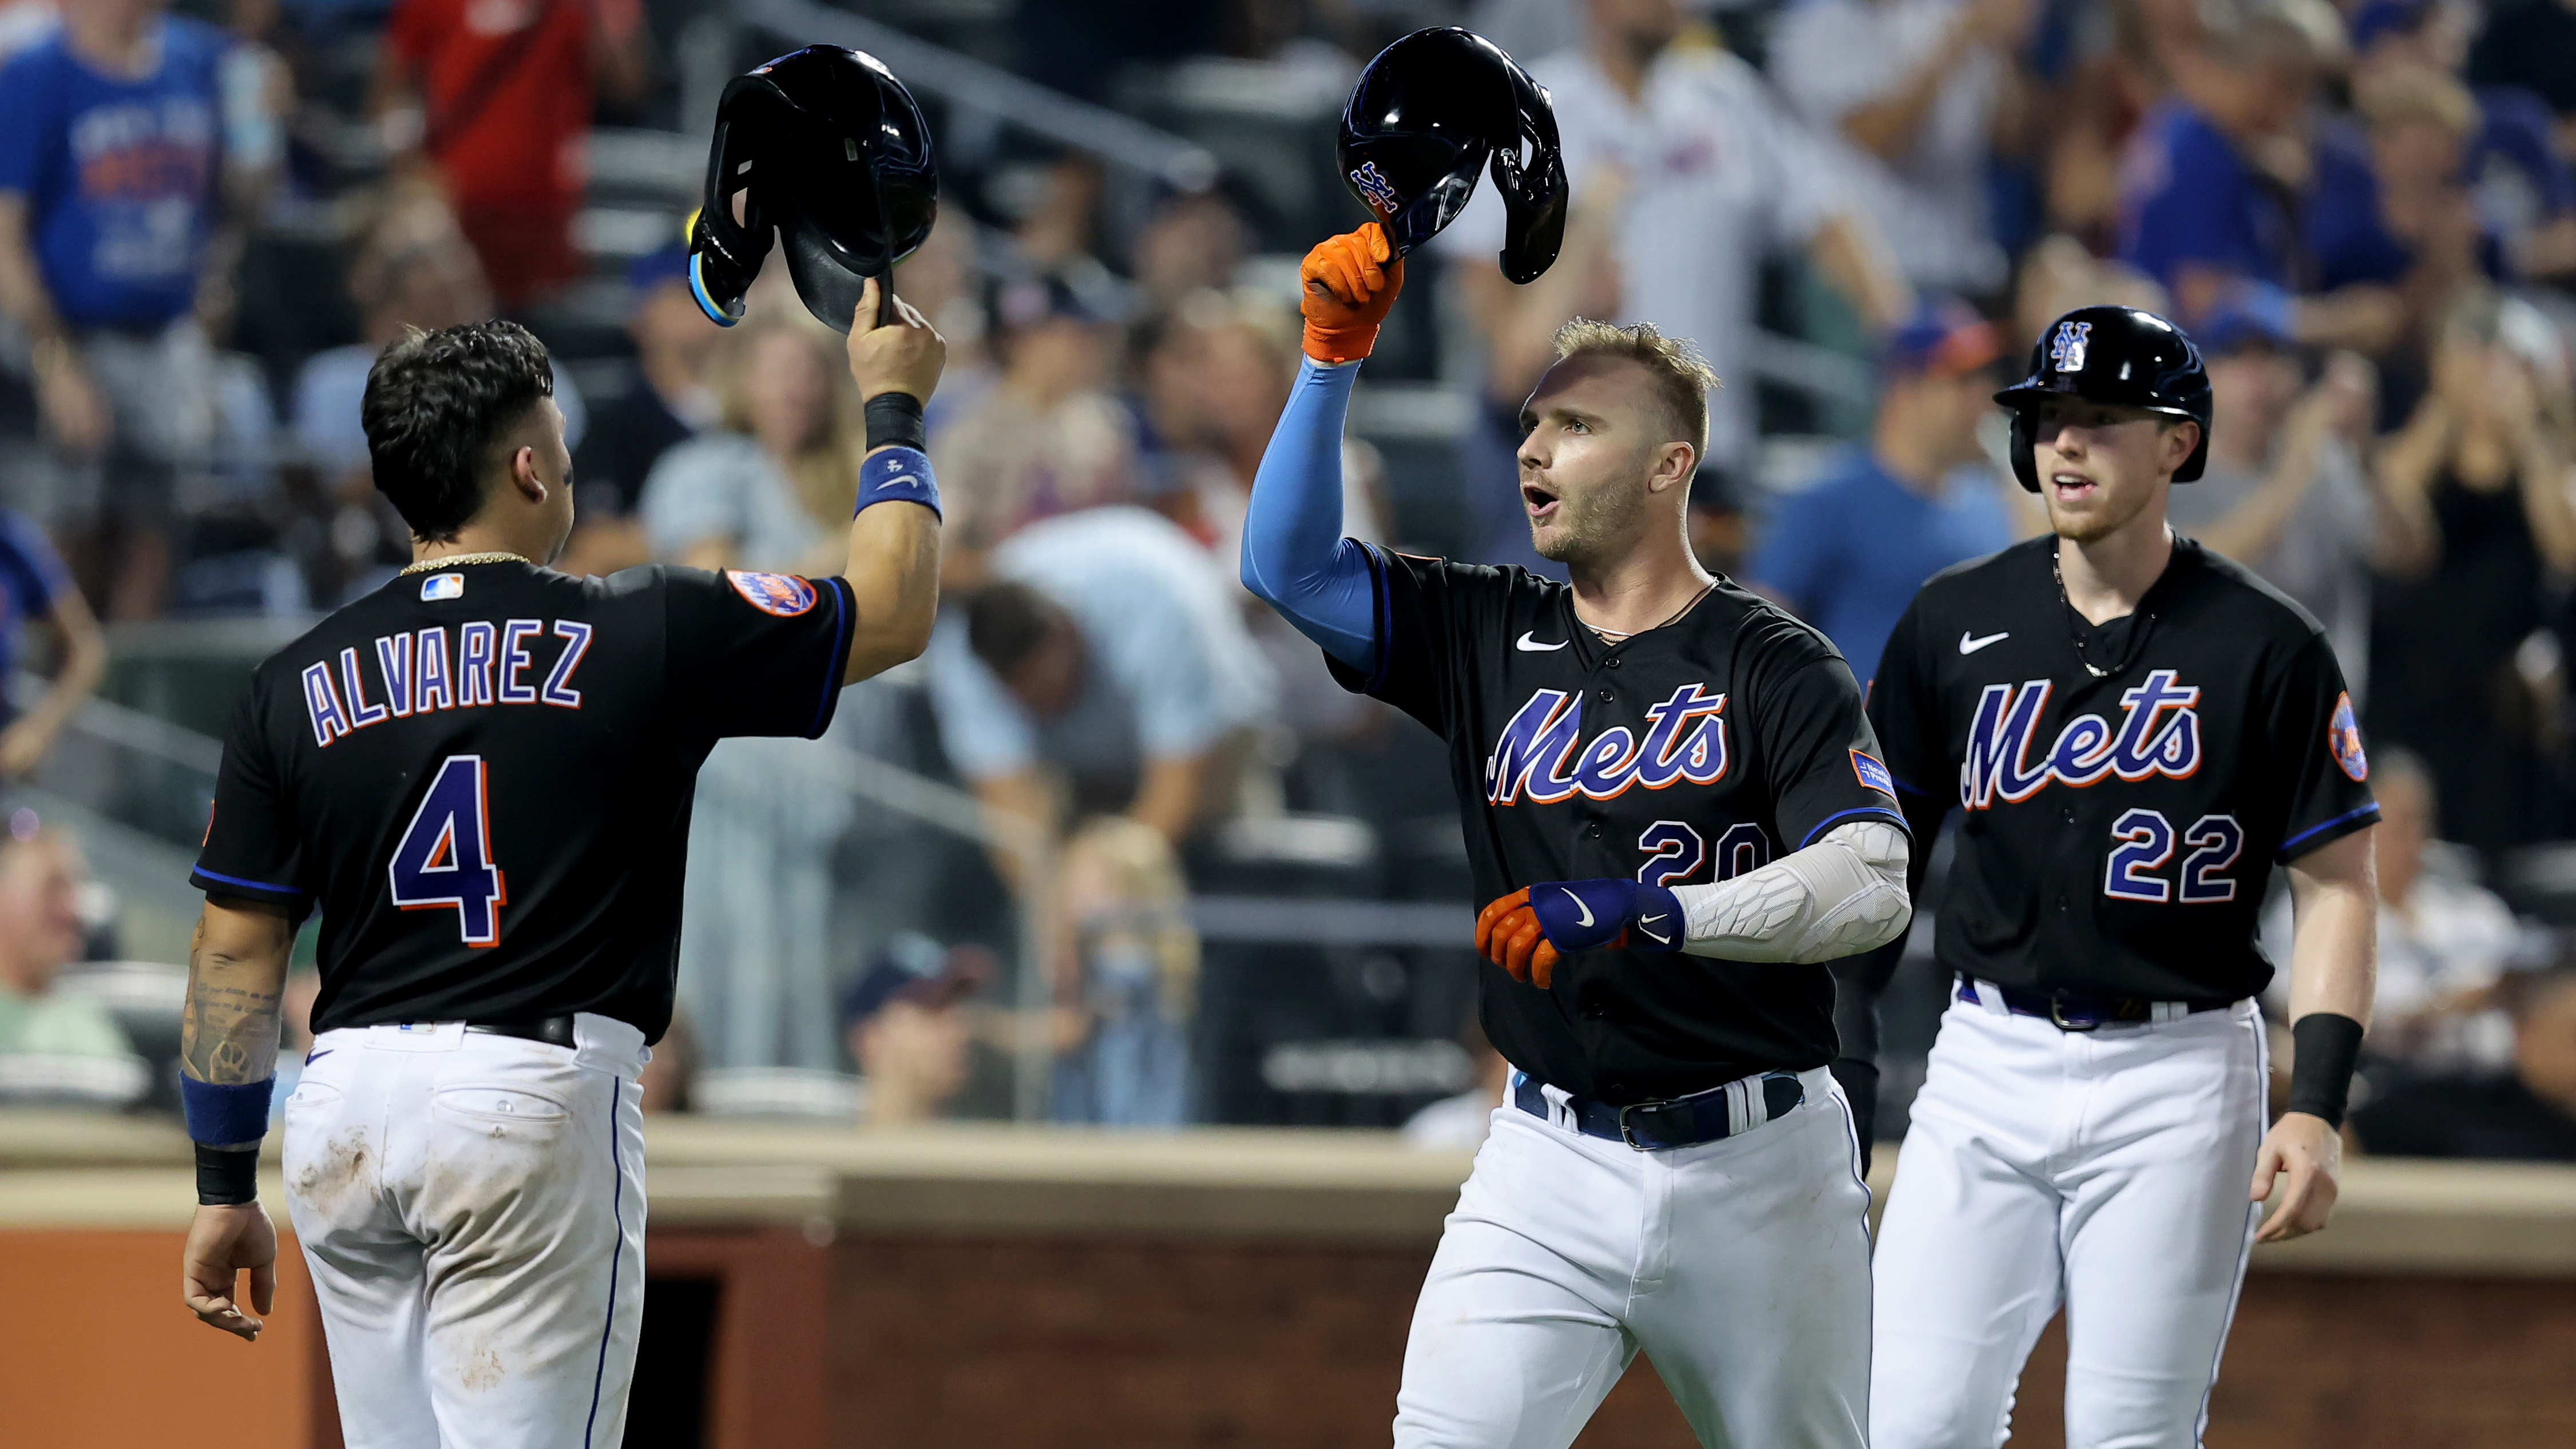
pixel 780 594
pixel 2066 349
pixel 2344 734
pixel 1372 183
pixel 1542 757
pixel 2158 735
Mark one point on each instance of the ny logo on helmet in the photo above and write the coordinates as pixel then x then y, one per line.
pixel 1372 183
pixel 2066 350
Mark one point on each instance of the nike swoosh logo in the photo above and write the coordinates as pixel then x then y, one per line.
pixel 905 480
pixel 317 1056
pixel 1970 644
pixel 1658 937
pixel 1580 906
pixel 1535 647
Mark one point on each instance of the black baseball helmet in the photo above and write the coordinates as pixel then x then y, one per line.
pixel 2117 355
pixel 829 151
pixel 1432 111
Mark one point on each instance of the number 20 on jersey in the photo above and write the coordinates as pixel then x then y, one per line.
pixel 445 858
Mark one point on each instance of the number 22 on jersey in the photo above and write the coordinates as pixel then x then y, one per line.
pixel 445 858
pixel 2147 841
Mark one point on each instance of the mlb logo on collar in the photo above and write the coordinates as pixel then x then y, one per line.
pixel 2066 349
pixel 442 586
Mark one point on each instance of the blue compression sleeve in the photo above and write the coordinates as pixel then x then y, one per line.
pixel 1294 554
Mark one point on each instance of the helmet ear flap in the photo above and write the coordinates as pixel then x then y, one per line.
pixel 1533 211
pixel 719 278
pixel 724 258
pixel 2025 464
pixel 2193 466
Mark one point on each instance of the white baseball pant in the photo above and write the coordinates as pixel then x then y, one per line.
pixel 1741 1267
pixel 2106 1170
pixel 472 1208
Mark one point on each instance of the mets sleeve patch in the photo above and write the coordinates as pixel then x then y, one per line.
pixel 2344 734
pixel 784 595
pixel 1872 774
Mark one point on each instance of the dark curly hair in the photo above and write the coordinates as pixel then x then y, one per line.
pixel 435 402
pixel 1007 622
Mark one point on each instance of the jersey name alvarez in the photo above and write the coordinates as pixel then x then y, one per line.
pixel 417 672
pixel 489 800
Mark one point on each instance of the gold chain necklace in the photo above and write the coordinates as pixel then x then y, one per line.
pixel 1613 636
pixel 454 559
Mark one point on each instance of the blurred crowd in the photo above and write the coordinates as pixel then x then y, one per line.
pixel 2365 214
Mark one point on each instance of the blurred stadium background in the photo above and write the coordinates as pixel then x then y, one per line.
pixel 1212 892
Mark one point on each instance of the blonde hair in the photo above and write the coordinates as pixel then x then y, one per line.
pixel 1122 888
pixel 1264 316
pixel 2418 93
pixel 1679 371
pixel 825 469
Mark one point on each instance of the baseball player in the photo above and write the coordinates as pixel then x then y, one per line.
pixel 1677 815
pixel 2133 730
pixel 481 774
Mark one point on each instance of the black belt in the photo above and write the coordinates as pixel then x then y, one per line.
pixel 2088 1013
pixel 1701 1117
pixel 553 1030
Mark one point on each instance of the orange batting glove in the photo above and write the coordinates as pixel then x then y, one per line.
pixel 1351 280
pixel 1508 934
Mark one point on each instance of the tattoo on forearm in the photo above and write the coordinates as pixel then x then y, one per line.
pixel 228 1034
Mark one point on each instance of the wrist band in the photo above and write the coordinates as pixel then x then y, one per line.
pixel 2324 1048
pixel 226 1179
pixel 222 1116
pixel 897 475
pixel 894 421
pixel 1658 901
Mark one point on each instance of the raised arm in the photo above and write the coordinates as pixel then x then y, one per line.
pixel 227 1071
pixel 1294 555
pixel 893 570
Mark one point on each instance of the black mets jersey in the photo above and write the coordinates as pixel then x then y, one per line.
pixel 1690 753
pixel 2117 829
pixel 482 777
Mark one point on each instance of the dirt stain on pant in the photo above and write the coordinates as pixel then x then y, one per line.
pixel 480 1369
pixel 339 1171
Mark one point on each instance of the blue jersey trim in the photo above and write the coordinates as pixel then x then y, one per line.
pixel 842 623
pixel 2324 825
pixel 256 885
pixel 1901 784
pixel 1829 821
pixel 1381 620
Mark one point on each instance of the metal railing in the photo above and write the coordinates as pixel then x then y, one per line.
pixel 993 92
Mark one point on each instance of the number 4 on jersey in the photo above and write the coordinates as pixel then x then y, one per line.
pixel 445 858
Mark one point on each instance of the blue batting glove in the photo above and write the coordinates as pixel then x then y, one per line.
pixel 1590 915
pixel 1528 931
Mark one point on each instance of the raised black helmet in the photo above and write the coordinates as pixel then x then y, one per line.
pixel 829 152
pixel 2117 355
pixel 1431 112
